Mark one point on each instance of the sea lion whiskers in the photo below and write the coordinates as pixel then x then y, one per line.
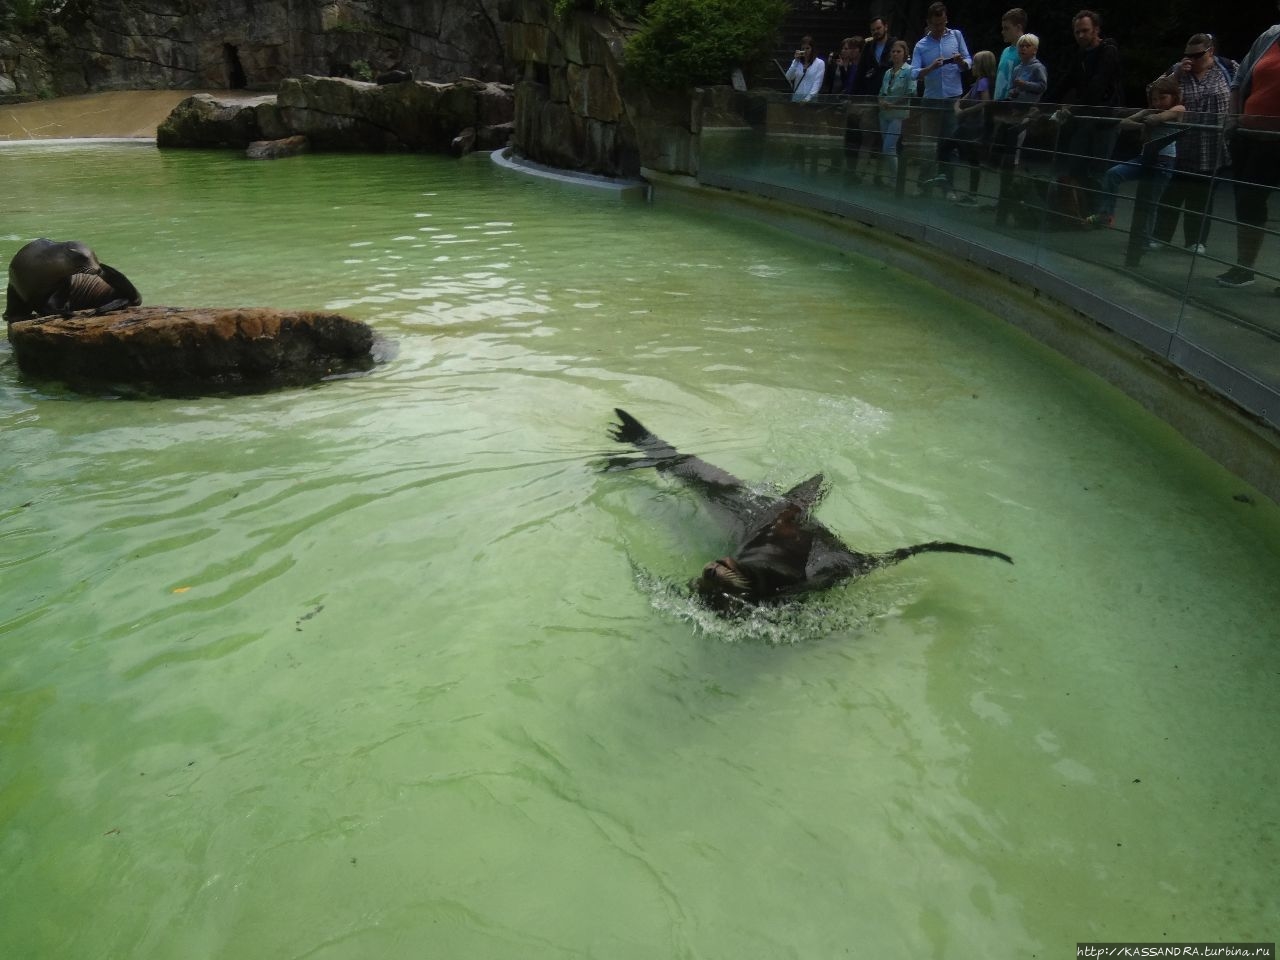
pixel 726 571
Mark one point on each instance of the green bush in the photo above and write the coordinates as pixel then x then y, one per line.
pixel 28 13
pixel 623 8
pixel 683 43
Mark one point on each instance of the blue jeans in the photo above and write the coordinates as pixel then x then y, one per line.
pixel 1158 175
pixel 890 130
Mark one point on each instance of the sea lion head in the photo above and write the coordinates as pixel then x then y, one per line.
pixel 769 566
pixel 723 586
pixel 80 258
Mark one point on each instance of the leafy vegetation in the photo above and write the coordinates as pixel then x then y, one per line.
pixel 29 13
pixel 630 9
pixel 683 43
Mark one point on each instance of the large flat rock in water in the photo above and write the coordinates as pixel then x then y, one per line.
pixel 190 351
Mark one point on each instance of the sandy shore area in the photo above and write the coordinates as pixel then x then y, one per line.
pixel 118 113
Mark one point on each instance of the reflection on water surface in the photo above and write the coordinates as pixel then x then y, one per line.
pixel 387 666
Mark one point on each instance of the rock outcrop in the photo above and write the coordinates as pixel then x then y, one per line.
pixel 575 107
pixel 203 120
pixel 569 106
pixel 176 351
pixel 254 44
pixel 277 149
pixel 337 114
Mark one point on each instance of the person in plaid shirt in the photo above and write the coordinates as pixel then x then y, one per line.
pixel 1205 81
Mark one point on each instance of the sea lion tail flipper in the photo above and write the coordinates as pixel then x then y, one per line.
pixel 662 455
pixel 632 431
pixel 657 452
pixel 937 546
pixel 629 430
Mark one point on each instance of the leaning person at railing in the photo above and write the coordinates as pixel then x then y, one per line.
pixel 1026 85
pixel 1091 83
pixel 971 124
pixel 1255 149
pixel 847 79
pixel 1160 126
pixel 896 90
pixel 938 60
pixel 1205 81
pixel 806 72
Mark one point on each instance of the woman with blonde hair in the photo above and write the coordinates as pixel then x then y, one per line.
pixel 971 112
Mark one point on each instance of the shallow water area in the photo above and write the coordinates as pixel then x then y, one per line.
pixel 388 667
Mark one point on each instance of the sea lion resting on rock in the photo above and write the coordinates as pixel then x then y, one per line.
pixel 48 276
pixel 782 550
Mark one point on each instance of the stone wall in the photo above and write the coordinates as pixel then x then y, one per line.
pixel 574 105
pixel 251 44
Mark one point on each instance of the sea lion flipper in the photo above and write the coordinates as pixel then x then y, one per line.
pixel 60 299
pixel 663 456
pixel 629 430
pixel 15 308
pixel 111 305
pixel 124 290
pixel 937 546
pixel 808 493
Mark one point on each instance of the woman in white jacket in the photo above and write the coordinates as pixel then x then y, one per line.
pixel 806 72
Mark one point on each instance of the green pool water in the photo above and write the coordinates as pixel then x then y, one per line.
pixel 388 668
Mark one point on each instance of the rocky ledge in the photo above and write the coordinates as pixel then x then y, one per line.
pixel 176 351
pixel 338 114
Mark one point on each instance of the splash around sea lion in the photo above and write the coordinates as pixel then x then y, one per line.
pixel 782 550
pixel 58 277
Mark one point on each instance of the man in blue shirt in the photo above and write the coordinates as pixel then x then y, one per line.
pixel 939 59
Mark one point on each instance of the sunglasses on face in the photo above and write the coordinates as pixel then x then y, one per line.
pixel 1195 54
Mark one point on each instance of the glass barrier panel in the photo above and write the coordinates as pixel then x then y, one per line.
pixel 1099 202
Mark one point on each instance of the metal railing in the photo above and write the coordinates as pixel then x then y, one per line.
pixel 1039 194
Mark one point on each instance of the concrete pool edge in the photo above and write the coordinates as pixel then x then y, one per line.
pixel 1211 421
pixel 625 189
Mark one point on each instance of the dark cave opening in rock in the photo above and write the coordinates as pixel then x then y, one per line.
pixel 235 71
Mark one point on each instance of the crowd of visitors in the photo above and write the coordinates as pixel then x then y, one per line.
pixel 1208 120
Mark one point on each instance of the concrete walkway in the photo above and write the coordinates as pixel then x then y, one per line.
pixel 119 113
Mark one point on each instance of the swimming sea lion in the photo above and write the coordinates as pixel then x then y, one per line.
pixel 48 276
pixel 782 550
